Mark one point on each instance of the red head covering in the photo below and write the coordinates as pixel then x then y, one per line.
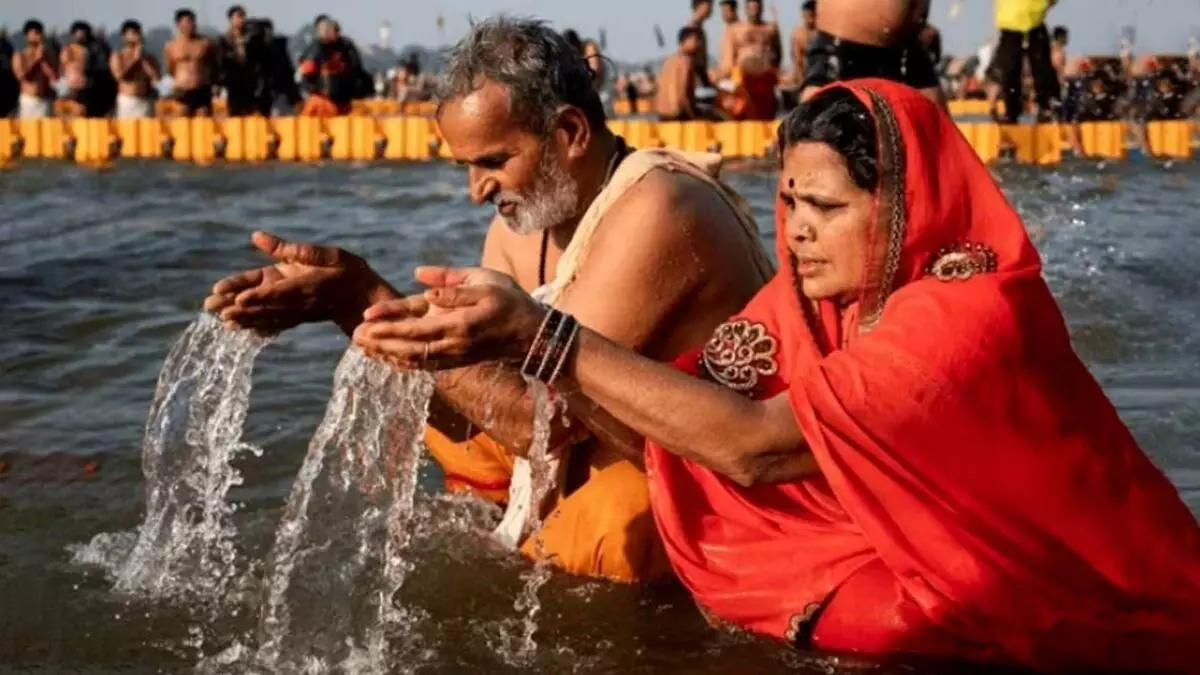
pixel 978 495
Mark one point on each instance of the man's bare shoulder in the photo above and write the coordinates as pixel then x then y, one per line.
pixel 668 207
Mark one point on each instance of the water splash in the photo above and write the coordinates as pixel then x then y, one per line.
pixel 521 648
pixel 185 544
pixel 339 556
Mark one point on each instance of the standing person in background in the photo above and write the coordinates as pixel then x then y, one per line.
pixel 1058 53
pixel 801 37
pixel 136 73
pixel 36 68
pixel 858 39
pixel 190 60
pixel 328 69
pixel 1023 35
pixel 10 90
pixel 701 12
pixel 102 100
pixel 73 60
pixel 751 52
pixel 239 71
pixel 595 61
pixel 285 94
pixel 676 96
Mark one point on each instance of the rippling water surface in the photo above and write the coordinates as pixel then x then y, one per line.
pixel 101 270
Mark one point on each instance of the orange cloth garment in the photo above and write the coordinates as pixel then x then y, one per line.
pixel 317 105
pixel 604 529
pixel 479 466
pixel 978 495
pixel 754 96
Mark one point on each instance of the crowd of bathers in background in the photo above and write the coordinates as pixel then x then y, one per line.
pixel 249 69
pixel 1025 66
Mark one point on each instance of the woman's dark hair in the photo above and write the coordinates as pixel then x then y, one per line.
pixel 841 121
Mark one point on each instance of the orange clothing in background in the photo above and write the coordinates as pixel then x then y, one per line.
pixel 753 97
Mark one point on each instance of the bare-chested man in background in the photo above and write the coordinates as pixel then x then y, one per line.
pixel 73 63
pixel 801 37
pixel 871 38
pixel 136 73
pixel 189 60
pixel 36 68
pixel 675 99
pixel 751 52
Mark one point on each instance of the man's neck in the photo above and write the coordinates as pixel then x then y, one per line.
pixel 697 19
pixel 599 159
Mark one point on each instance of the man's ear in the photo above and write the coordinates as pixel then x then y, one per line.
pixel 573 131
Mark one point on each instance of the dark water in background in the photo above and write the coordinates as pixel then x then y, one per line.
pixel 100 271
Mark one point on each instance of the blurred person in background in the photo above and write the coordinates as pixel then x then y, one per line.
pixel 191 61
pixel 858 39
pixel 329 70
pixel 136 73
pixel 701 13
pixel 285 93
pixel 244 59
pixel 1023 37
pixel 751 53
pixel 36 69
pixel 800 37
pixel 10 90
pixel 675 100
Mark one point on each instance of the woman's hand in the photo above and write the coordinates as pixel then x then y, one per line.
pixel 307 284
pixel 467 316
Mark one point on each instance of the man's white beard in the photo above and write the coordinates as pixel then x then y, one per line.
pixel 552 201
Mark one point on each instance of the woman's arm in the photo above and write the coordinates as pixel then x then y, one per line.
pixel 491 319
pixel 745 440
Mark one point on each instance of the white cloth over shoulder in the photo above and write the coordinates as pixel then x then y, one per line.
pixel 706 167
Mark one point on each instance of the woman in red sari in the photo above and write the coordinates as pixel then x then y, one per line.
pixel 894 448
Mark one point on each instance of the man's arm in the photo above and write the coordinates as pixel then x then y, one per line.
pixel 49 66
pixel 641 268
pixel 686 76
pixel 776 47
pixel 21 68
pixel 150 67
pixel 728 50
pixel 169 58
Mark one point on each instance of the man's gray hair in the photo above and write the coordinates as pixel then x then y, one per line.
pixel 540 69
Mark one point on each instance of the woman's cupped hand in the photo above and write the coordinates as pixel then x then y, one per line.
pixel 466 316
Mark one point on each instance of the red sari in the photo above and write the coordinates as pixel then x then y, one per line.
pixel 978 495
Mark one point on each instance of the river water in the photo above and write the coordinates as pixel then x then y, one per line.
pixel 101 270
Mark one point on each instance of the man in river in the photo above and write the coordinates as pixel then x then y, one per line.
pixel 870 38
pixel 751 52
pixel 801 36
pixel 36 68
pixel 701 12
pixel 631 241
pixel 136 72
pixel 189 60
pixel 675 99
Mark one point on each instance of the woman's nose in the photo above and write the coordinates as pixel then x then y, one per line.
pixel 799 229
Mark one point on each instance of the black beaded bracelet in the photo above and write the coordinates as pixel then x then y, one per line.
pixel 549 350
